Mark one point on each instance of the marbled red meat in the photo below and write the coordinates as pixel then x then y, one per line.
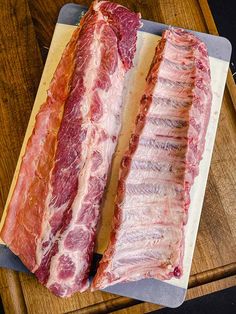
pixel 158 169
pixel 53 214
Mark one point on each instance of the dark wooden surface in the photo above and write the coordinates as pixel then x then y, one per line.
pixel 26 29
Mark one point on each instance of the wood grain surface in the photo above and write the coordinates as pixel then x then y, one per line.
pixel 211 26
pixel 26 31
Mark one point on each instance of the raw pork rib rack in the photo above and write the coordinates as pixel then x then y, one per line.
pixel 159 167
pixel 52 216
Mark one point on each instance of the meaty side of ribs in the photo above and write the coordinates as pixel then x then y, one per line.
pixel 158 170
pixel 52 216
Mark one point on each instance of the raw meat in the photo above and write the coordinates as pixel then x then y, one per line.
pixel 158 170
pixel 52 217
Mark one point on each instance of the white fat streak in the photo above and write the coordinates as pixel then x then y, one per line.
pixel 112 101
pixel 48 213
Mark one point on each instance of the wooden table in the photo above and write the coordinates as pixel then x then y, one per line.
pixel 26 32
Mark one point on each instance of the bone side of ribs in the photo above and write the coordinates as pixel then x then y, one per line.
pixel 159 167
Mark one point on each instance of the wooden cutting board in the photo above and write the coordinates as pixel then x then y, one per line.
pixel 214 257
